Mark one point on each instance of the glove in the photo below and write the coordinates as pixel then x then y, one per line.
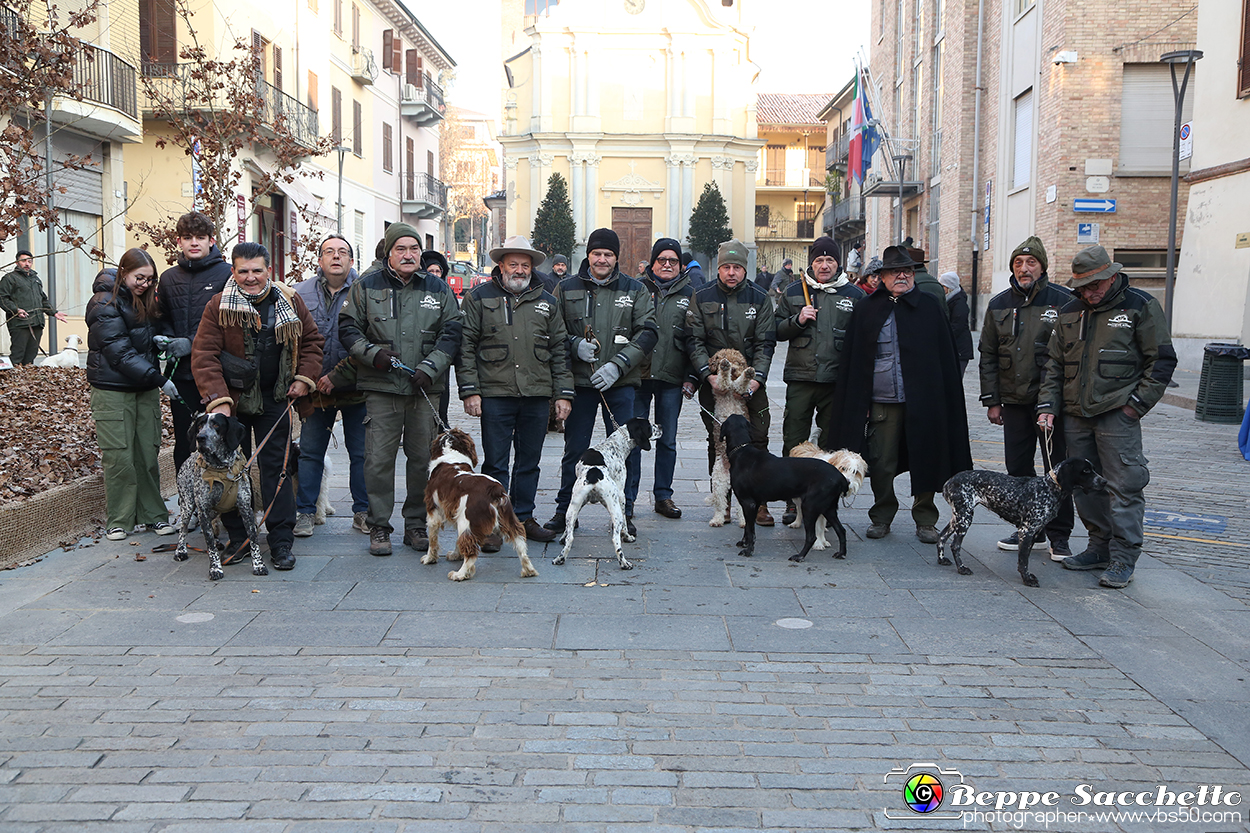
pixel 606 376
pixel 421 379
pixel 586 350
pixel 178 347
pixel 170 389
pixel 161 342
pixel 382 359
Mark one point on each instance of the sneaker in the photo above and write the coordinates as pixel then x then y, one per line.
pixel 116 534
pixel 1117 576
pixel 236 553
pixel 161 528
pixel 491 543
pixel 1088 560
pixel 790 514
pixel 556 524
pixel 667 508
pixel 140 528
pixel 1012 542
pixel 360 522
pixel 303 525
pixel 416 538
pixel 878 530
pixel 379 541
pixel 282 559
pixel 927 534
pixel 762 518
pixel 1060 550
pixel 534 531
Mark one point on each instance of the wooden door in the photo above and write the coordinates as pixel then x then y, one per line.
pixel 633 226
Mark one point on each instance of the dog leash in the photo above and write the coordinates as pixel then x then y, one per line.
pixel 1047 448
pixel 608 410
pixel 438 420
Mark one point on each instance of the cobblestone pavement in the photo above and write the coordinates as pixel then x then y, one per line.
pixel 698 692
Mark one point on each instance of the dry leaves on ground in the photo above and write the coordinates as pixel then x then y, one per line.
pixel 47 435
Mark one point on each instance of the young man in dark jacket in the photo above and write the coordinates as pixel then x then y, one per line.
pixel 666 375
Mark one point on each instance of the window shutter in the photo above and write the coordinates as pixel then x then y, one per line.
pixel 397 54
pixel 258 55
pixel 1146 135
pixel 358 126
pixel 312 91
pixel 410 160
pixel 277 66
pixel 336 116
pixel 411 73
pixel 1243 62
pixel 420 71
pixel 388 164
pixel 429 162
pixel 355 27
pixel 338 17
pixel 1022 141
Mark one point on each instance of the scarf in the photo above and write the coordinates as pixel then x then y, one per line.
pixel 238 310
pixel 831 287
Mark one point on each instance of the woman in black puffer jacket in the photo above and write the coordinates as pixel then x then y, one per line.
pixel 126 389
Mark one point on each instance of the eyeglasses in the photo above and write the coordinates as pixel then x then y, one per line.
pixel 148 279
pixel 340 252
pixel 668 261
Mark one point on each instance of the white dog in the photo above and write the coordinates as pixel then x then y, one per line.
pixel 67 357
pixel 853 468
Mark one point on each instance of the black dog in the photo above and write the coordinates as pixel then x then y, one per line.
pixel 213 481
pixel 1028 502
pixel 758 477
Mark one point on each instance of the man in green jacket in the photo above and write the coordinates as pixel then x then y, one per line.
pixel 23 300
pixel 1109 362
pixel 611 327
pixel 666 375
pixel 514 357
pixel 812 314
pixel 732 312
pixel 402 315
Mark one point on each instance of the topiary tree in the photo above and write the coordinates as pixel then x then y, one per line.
pixel 709 222
pixel 554 232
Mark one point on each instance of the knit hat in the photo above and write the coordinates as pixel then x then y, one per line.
pixel 559 259
pixel 873 266
pixel 1092 264
pixel 604 238
pixel 950 280
pixel 665 244
pixel 1032 246
pixel 824 246
pixel 732 251
pixel 394 232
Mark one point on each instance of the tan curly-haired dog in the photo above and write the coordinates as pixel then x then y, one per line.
pixel 734 376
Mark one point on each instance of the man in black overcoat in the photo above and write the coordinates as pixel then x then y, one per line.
pixel 899 399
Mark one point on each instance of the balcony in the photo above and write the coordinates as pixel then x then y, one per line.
pixel 364 68
pixel 848 212
pixel 803 179
pixel 787 230
pixel 838 152
pixel 180 86
pixel 423 104
pixel 424 196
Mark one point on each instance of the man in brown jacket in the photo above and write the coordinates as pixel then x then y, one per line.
pixel 256 350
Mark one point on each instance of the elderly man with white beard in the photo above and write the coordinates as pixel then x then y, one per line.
pixel 514 359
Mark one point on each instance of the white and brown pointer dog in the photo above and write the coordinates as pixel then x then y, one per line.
pixel 477 504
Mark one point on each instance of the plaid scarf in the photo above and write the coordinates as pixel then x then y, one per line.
pixel 238 310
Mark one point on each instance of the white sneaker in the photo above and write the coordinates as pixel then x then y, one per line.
pixel 116 534
pixel 163 528
pixel 140 528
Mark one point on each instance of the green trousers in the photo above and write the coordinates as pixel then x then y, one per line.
pixel 886 435
pixel 128 430
pixel 392 419
pixel 24 344
pixel 803 401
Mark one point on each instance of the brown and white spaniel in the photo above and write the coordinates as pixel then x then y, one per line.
pixel 477 504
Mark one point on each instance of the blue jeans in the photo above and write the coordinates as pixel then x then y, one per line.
pixel 313 441
pixel 667 408
pixel 579 427
pixel 519 422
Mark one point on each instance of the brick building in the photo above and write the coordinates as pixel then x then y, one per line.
pixel 1074 105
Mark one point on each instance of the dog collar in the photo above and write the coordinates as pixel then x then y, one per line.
pixel 736 448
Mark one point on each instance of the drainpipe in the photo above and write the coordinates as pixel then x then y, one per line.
pixel 976 161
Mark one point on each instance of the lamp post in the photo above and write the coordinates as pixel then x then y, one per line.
pixel 342 151
pixel 1186 57
pixel 901 161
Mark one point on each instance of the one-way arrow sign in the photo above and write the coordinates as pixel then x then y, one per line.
pixel 1094 206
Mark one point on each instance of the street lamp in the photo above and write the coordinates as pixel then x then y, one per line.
pixel 1186 57
pixel 342 151
pixel 901 161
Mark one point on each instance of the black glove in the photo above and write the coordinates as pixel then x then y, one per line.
pixel 421 379
pixel 382 359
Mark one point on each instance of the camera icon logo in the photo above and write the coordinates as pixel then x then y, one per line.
pixel 922 787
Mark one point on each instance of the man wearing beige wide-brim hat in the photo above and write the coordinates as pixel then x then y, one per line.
pixel 513 359
pixel 1110 360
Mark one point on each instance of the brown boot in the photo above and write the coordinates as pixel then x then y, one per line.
pixel 762 518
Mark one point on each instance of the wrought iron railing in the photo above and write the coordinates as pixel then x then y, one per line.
pixel 301 119
pixel 428 92
pixel 786 230
pixel 106 79
pixel 837 151
pixel 421 187
pixel 847 211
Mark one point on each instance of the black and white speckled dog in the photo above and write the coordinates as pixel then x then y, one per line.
pixel 601 479
pixel 214 481
pixel 1028 502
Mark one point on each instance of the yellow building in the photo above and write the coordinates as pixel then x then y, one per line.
pixel 637 104
pixel 790 180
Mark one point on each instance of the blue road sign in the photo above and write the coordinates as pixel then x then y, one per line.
pixel 1094 206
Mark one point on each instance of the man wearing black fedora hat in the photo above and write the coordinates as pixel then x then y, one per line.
pixel 899 398
pixel 1109 363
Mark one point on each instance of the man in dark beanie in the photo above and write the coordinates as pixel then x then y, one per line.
pixel 22 298
pixel 611 327
pixel 1014 344
pixel 812 314
pixel 666 374
pixel 399 314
